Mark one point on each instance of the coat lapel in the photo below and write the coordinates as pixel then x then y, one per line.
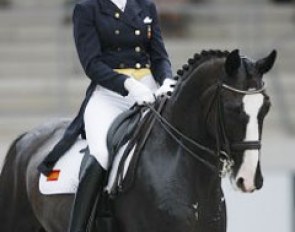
pixel 107 7
pixel 130 16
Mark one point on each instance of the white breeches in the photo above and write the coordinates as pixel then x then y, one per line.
pixel 103 107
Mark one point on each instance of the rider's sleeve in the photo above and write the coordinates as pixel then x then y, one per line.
pixel 89 50
pixel 160 63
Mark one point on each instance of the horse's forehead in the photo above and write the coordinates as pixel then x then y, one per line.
pixel 253 103
pixel 249 77
pixel 249 67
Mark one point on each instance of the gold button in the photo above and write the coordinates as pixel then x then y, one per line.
pixel 117 32
pixel 137 49
pixel 117 15
pixel 137 32
pixel 138 65
pixel 148 66
pixel 122 65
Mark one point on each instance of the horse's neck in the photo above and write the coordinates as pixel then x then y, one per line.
pixel 178 179
pixel 185 113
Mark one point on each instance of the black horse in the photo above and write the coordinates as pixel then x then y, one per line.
pixel 211 123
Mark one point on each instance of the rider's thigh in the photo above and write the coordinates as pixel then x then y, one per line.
pixel 100 113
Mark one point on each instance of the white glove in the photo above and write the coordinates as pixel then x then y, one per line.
pixel 139 92
pixel 166 88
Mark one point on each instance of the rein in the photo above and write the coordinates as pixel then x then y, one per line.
pixel 175 133
pixel 226 161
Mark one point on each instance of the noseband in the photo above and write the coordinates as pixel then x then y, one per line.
pixel 223 151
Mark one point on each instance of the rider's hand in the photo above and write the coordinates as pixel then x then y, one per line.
pixel 139 92
pixel 167 88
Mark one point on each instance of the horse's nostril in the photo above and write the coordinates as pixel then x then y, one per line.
pixel 240 183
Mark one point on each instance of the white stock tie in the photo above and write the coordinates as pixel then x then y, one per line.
pixel 120 4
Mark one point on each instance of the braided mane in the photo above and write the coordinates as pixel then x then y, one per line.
pixel 198 59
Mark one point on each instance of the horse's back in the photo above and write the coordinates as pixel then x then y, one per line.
pixel 19 177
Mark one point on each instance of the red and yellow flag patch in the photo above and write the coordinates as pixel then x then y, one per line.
pixel 53 176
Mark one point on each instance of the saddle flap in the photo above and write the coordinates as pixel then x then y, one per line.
pixel 122 129
pixel 124 166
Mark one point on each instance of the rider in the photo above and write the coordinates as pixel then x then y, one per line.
pixel 120 47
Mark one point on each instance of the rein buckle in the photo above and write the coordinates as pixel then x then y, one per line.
pixel 226 164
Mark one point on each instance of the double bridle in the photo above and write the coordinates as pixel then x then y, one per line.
pixel 245 145
pixel 224 147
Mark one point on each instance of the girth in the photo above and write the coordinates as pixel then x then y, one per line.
pixel 246 145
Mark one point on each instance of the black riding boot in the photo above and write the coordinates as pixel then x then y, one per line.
pixel 91 180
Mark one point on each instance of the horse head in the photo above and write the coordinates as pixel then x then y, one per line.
pixel 234 103
pixel 245 105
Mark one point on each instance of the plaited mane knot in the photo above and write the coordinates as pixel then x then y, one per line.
pixel 185 67
pixel 191 61
pixel 180 72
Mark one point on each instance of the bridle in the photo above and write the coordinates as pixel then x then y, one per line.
pixel 224 147
pixel 244 92
pixel 245 145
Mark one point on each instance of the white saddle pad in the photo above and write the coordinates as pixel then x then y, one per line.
pixel 64 178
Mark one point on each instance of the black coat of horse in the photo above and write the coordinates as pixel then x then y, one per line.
pixel 178 183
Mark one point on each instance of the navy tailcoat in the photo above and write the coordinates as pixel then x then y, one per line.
pixel 106 39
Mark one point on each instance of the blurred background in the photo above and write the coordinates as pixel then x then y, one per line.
pixel 41 79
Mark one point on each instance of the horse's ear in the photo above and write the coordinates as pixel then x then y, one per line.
pixel 233 62
pixel 265 64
